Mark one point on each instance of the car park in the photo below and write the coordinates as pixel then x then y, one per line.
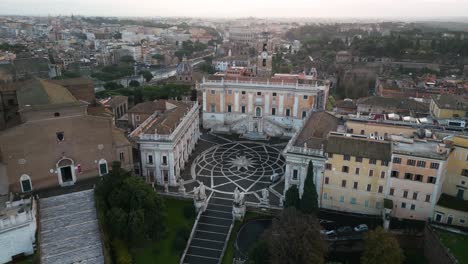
pixel 344 229
pixel 361 228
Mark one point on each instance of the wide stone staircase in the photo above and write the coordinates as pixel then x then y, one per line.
pixel 69 231
pixel 211 233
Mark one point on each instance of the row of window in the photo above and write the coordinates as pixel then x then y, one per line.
pixel 359 159
pixel 414 196
pixel 150 160
pixel 305 97
pixel 417 163
pixel 345 169
pixel 356 185
pixel 353 200
pixel 413 177
pixel 258 110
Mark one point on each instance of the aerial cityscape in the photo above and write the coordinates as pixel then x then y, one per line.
pixel 247 132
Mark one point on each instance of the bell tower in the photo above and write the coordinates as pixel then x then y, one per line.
pixel 264 60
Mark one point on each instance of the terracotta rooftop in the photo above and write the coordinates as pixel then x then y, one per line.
pixel 447 101
pixel 359 147
pixel 316 129
pixel 167 121
pixel 113 101
pixel 149 107
pixel 397 103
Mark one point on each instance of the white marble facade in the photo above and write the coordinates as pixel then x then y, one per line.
pixel 163 157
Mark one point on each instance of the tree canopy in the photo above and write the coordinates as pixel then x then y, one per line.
pixel 292 197
pixel 381 247
pixel 295 238
pixel 309 199
pixel 133 210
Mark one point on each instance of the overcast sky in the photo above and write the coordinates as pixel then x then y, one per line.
pixel 241 8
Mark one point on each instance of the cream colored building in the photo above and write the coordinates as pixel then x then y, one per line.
pixel 260 106
pixel 448 106
pixel 452 206
pixel 355 175
pixel 417 173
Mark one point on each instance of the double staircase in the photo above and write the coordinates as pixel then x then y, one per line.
pixel 211 232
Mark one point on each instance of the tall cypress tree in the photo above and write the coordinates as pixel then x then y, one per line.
pixel 292 197
pixel 309 200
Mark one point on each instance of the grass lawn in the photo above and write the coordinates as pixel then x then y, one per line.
pixel 230 249
pixel 162 251
pixel 458 244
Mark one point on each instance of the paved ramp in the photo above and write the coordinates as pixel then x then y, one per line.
pixel 69 229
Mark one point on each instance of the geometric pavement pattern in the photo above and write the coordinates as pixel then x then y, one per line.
pixel 246 165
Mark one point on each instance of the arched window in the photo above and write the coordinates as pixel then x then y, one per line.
pixel 66 171
pixel 26 185
pixel 258 112
pixel 103 167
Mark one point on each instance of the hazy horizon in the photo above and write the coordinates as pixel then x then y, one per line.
pixel 346 9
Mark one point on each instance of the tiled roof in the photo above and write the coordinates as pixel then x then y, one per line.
pixel 316 129
pixel 115 100
pixel 36 92
pixel 447 101
pixel 358 147
pixel 167 122
pixel 149 107
pixel 397 103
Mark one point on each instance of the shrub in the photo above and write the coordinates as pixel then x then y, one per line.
pixel 189 211
pixel 121 253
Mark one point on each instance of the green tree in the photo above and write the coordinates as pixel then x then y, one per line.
pixel 134 83
pixel 207 68
pixel 295 238
pixel 158 57
pixel 309 200
pixel 138 96
pixel 147 75
pixel 112 86
pixel 381 247
pixel 193 95
pixel 132 208
pixel 292 197
pixel 260 253
pixel 127 59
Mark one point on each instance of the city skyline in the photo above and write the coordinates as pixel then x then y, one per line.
pixel 242 8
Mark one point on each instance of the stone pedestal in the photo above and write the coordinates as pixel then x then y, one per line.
pixel 386 218
pixel 200 205
pixel 182 189
pixel 238 212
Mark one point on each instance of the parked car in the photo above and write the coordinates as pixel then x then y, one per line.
pixel 328 232
pixel 345 229
pixel 361 228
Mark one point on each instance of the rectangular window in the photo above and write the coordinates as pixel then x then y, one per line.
pixel 405 194
pixel 353 200
pixel 259 93
pixel 343 183
pixel 366 203
pixel 428 198
pixel 330 155
pixel 384 163
pixel 164 160
pixel 288 112
pixel 394 174
pixel 150 159
pixel 382 175
pixel 431 179
pixel 274 94
pixel 378 205
pixel 137 117
pixel 327 180
pixel 403 205
pixel 415 196
pixel 411 162
pixel 328 166
pixel 121 156
pixel 273 111
pixel 306 97
pixel 229 108
pixel 345 169
pixel 295 174
pixel 464 172
pixel 213 92
pixel 243 109
pixel 408 176
pixel 369 187
pixel 434 165
pixel 392 191
pixel 346 157
pixel 212 108
pixel 243 92
pixel 413 207
pixel 325 196
pixel 229 91
pixel 358 159
pixel 380 189
pixel 371 173
pixel 342 199
pixel 356 171
pixel 421 163
pixel 26 185
pixel 355 185
pixel 103 168
pixel 397 160
pixel 418 177
pixel 372 161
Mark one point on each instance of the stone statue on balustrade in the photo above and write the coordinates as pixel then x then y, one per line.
pixel 265 201
pixel 238 207
pixel 199 197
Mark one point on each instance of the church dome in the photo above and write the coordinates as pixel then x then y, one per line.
pixel 184 68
